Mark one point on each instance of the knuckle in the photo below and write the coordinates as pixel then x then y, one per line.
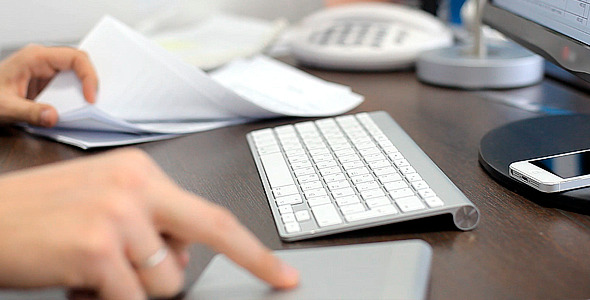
pixel 82 54
pixel 32 52
pixel 131 170
pixel 100 245
pixel 120 209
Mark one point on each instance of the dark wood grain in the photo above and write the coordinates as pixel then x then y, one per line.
pixel 519 251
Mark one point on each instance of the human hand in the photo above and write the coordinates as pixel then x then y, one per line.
pixel 25 73
pixel 91 223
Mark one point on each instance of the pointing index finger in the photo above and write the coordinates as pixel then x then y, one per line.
pixel 196 220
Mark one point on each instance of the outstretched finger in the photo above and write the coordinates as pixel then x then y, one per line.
pixel 196 220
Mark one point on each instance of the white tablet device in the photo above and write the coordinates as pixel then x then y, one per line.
pixel 387 270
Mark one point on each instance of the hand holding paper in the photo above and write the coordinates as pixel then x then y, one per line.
pixel 24 73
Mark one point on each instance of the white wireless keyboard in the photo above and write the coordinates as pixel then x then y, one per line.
pixel 351 172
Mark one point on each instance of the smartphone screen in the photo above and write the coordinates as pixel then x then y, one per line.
pixel 566 166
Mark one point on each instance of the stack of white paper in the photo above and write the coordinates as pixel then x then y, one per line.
pixel 146 93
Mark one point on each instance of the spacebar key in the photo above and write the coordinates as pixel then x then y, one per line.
pixel 276 170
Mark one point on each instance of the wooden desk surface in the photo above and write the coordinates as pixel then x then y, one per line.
pixel 519 251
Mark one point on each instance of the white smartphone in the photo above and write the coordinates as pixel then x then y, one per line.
pixel 555 173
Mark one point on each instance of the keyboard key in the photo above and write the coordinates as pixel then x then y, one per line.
pixel 365 186
pixel 269 149
pixel 419 185
pixel 352 208
pixel 400 193
pixel 334 185
pixel 434 202
pixel 407 170
pixel 372 194
pixel 326 164
pixel 298 158
pixel 339 193
pixel 379 164
pixel 374 157
pixel 276 169
pixel 347 200
pixel 330 171
pixel 302 215
pixel 288 218
pixel 311 185
pixel 319 201
pixel 408 204
pixel 326 215
pixel 301 164
pixel 322 157
pixel 291 199
pixel 370 151
pixel 344 152
pixel 285 209
pixel 395 185
pixel 349 158
pixel 384 171
pixel 308 178
pixel 357 171
pixel 315 193
pixel 352 165
pixel 295 152
pixel 373 213
pixel 379 201
pixel 362 178
pixel 389 178
pixel 292 227
pixel 285 190
pixel 400 163
pixel 395 155
pixel 426 193
pixel 413 177
pixel 334 177
pixel 304 171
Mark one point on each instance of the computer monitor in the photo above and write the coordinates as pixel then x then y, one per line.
pixel 559 30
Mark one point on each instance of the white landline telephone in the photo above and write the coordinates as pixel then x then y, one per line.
pixel 367 37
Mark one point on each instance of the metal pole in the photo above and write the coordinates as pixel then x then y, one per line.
pixel 479 44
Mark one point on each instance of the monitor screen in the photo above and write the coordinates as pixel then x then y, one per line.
pixel 559 30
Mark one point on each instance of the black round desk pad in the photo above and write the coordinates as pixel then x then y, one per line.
pixel 532 138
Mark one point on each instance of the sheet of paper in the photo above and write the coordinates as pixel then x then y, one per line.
pixel 285 90
pixel 93 139
pixel 87 139
pixel 138 80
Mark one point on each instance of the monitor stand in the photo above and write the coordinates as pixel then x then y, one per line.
pixel 532 138
pixel 482 65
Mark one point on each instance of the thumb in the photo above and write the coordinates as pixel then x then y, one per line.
pixel 16 109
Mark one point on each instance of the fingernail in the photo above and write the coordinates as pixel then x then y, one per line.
pixel 46 117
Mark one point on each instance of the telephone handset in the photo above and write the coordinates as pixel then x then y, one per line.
pixel 367 37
